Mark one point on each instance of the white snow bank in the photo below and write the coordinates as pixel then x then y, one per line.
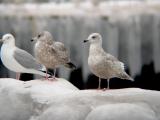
pixel 60 100
pixel 122 111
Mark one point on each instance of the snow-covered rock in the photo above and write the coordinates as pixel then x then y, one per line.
pixel 60 100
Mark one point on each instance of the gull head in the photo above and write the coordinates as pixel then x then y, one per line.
pixel 44 36
pixel 94 38
pixel 8 38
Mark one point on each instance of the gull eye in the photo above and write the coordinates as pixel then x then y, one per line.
pixel 39 36
pixel 8 37
pixel 93 37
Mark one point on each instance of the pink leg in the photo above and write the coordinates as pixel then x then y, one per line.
pixel 104 89
pixel 99 84
pixel 108 84
pixel 46 75
pixel 54 75
pixel 18 76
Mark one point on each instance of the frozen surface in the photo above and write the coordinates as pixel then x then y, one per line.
pixel 60 100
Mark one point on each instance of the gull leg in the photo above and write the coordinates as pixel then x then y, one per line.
pixel 18 76
pixel 54 75
pixel 99 83
pixel 104 89
pixel 108 84
pixel 46 75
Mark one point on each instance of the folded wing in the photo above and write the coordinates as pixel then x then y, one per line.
pixel 26 59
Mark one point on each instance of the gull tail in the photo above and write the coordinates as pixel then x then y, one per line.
pixel 70 65
pixel 124 75
pixel 42 73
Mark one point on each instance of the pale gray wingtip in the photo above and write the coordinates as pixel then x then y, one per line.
pixel 126 76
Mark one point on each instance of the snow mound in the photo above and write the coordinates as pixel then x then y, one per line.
pixel 123 111
pixel 60 100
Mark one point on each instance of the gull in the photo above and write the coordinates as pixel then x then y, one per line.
pixel 103 64
pixel 50 53
pixel 16 59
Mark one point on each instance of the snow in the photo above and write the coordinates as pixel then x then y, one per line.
pixel 124 111
pixel 60 100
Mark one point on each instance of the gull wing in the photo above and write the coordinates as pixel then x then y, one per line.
pixel 59 49
pixel 60 46
pixel 26 59
pixel 114 61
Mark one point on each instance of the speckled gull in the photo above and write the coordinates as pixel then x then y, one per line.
pixel 103 64
pixel 18 60
pixel 50 53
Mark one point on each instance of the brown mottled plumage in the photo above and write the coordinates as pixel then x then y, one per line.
pixel 50 53
pixel 103 64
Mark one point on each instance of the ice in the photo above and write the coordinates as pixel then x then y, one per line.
pixel 60 100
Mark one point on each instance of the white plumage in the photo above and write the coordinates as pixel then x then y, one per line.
pixel 103 64
pixel 16 59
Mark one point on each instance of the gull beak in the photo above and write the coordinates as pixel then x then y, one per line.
pixel 1 40
pixel 85 41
